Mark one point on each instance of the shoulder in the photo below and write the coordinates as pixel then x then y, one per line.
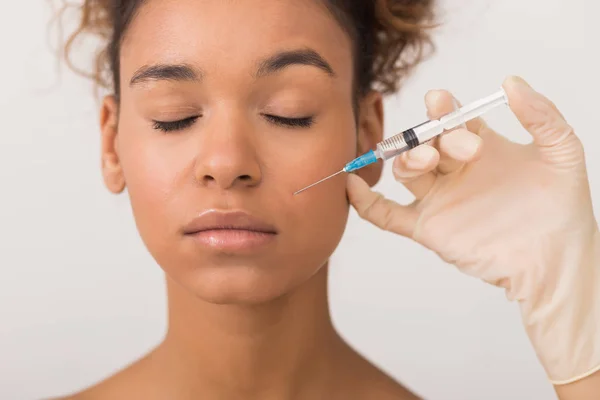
pixel 362 380
pixel 99 391
pixel 116 387
pixel 123 385
pixel 77 396
pixel 382 387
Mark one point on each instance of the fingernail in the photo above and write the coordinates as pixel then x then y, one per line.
pixel 432 96
pixel 518 81
pixel 455 103
pixel 468 147
pixel 418 156
pixel 414 155
pixel 456 107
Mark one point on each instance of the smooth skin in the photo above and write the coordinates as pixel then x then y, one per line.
pixel 539 190
pixel 252 325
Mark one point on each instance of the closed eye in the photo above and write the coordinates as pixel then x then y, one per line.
pixel 179 125
pixel 304 122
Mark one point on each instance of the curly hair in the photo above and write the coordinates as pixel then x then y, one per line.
pixel 390 38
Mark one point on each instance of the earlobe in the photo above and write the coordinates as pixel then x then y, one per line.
pixel 370 132
pixel 111 165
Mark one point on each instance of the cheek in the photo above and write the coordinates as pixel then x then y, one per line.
pixel 153 177
pixel 319 214
pixel 321 217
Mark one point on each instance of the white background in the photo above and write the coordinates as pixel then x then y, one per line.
pixel 70 254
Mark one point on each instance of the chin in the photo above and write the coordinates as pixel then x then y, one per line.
pixel 243 284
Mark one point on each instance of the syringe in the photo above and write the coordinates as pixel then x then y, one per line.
pixel 421 133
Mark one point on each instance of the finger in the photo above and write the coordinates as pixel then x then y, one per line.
pixel 414 169
pixel 378 210
pixel 536 113
pixel 442 102
pixel 458 148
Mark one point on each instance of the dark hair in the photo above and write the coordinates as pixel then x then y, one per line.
pixel 390 37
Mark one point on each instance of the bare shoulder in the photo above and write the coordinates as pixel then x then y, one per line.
pixel 377 385
pixel 74 396
pixel 109 388
pixel 124 384
pixel 388 389
pixel 369 382
pixel 358 379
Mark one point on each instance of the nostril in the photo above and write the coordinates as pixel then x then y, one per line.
pixel 226 180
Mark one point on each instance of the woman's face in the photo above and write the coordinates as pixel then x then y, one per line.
pixel 227 108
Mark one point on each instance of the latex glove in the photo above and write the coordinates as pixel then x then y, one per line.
pixel 516 216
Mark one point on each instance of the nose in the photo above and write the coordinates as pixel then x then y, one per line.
pixel 227 156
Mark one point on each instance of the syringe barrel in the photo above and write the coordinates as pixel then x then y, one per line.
pixel 392 146
pixel 426 131
pixel 408 139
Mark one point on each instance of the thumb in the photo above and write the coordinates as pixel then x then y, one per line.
pixel 536 113
pixel 381 212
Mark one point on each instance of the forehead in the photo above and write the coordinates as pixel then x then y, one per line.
pixel 221 34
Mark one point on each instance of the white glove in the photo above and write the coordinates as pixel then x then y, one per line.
pixel 516 216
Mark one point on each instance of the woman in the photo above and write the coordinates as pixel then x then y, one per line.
pixel 214 106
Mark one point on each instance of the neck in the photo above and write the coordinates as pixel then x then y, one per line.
pixel 272 350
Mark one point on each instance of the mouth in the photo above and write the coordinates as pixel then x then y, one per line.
pixel 231 232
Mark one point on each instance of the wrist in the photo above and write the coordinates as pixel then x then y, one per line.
pixel 562 317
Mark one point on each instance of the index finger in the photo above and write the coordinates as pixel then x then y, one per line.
pixel 443 102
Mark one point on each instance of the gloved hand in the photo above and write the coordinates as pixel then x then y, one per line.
pixel 516 216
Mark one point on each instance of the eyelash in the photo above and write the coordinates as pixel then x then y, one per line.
pixel 170 126
pixel 305 122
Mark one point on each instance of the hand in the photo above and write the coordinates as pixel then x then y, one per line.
pixel 517 216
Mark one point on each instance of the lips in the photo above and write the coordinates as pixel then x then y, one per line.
pixel 230 231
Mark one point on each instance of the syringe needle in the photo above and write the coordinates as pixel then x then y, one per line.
pixel 316 183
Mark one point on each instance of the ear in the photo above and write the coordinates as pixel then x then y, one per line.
pixel 370 132
pixel 111 165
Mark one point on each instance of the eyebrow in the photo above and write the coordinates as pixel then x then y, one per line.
pixel 271 65
pixel 286 59
pixel 166 72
